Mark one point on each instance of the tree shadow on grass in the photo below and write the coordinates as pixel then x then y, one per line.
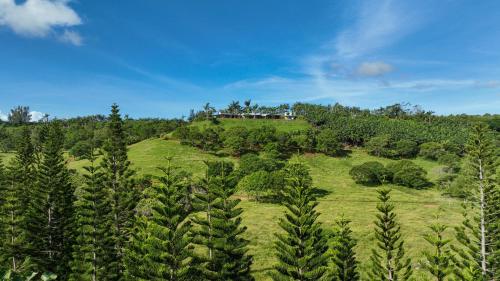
pixel 344 153
pixel 276 199
pixel 319 192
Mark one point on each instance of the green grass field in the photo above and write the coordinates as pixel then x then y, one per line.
pixel 281 125
pixel 415 208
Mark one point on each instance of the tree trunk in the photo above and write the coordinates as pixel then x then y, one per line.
pixel 483 230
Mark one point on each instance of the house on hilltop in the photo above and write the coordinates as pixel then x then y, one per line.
pixel 255 115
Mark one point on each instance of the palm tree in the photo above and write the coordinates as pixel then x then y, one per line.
pixel 234 107
pixel 208 109
pixel 247 105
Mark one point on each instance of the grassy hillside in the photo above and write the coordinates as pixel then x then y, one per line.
pixel 415 208
pixel 148 155
pixel 281 125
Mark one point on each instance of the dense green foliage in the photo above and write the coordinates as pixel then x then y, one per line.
pixel 50 212
pixel 93 221
pixel 117 178
pixel 479 234
pixel 370 173
pixel 219 230
pixel 161 247
pixel 407 173
pixel 404 172
pixel 82 133
pixel 20 177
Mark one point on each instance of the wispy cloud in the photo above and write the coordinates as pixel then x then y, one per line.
pixel 348 58
pixel 374 69
pixel 71 37
pixel 378 24
pixel 488 84
pixel 41 18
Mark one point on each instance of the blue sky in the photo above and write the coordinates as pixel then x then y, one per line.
pixel 161 58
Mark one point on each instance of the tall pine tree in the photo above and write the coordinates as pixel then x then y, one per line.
pixel 20 177
pixel 388 261
pixel 117 180
pixel 220 231
pixel 480 231
pixel 50 213
pixel 161 246
pixel 344 257
pixel 302 248
pixel 93 221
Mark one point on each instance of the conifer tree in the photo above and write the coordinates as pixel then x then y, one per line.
pixel 204 202
pixel 480 231
pixel 221 231
pixel 3 189
pixel 117 179
pixel 344 256
pixel 23 169
pixel 93 221
pixel 19 176
pixel 388 261
pixel 161 246
pixel 302 248
pixel 50 213
pixel 467 258
pixel 438 262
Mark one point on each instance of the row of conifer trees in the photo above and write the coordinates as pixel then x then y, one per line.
pixel 107 229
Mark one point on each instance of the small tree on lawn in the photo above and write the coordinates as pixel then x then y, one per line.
pixel 388 259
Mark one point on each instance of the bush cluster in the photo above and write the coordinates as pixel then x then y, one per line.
pixel 403 172
pixel 240 140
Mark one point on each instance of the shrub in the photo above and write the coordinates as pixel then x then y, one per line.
pixel 452 161
pixel 236 140
pixel 405 148
pixel 407 173
pixel 431 150
pixel 369 173
pixel 81 149
pixel 212 138
pixel 328 143
pixel 261 136
pixel 251 163
pixel 378 145
pixel 256 183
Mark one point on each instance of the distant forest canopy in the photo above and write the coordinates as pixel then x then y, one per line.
pixel 78 131
pixel 352 125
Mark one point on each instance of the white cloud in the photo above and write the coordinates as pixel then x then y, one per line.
pixel 71 37
pixel 3 117
pixel 377 25
pixel 36 116
pixel 40 18
pixel 374 69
